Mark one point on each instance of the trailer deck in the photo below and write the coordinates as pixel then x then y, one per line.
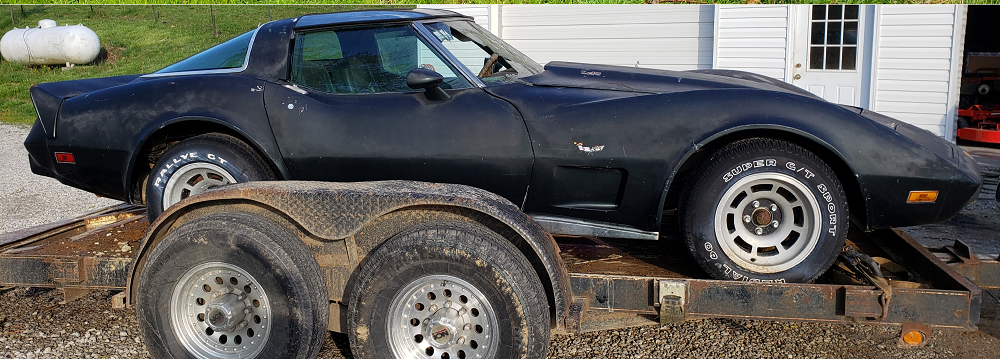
pixel 615 283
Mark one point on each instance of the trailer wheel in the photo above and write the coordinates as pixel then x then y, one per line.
pixel 231 285
pixel 198 164
pixel 764 209
pixel 448 290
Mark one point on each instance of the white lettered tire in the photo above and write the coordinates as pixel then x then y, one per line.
pixel 764 210
pixel 198 164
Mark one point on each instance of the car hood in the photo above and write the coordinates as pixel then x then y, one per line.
pixel 642 80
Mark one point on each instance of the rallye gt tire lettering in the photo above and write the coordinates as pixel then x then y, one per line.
pixel 764 210
pixel 447 289
pixel 230 285
pixel 200 163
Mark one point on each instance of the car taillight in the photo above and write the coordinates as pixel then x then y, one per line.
pixel 65 157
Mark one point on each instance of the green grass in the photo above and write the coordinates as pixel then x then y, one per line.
pixel 131 42
pixel 413 2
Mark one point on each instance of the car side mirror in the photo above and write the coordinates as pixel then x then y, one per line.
pixel 430 81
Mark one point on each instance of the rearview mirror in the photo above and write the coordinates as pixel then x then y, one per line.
pixel 430 81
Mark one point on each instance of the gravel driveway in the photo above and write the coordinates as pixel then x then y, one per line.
pixel 33 323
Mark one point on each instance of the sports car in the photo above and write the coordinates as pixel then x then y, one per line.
pixel 764 178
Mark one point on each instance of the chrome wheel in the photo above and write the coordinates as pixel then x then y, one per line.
pixel 192 179
pixel 768 222
pixel 218 310
pixel 442 316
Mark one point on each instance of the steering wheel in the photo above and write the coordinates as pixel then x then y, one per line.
pixel 488 66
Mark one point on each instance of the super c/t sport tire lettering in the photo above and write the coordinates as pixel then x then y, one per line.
pixel 764 210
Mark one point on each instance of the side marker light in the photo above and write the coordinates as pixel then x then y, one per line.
pixel 922 197
pixel 914 338
pixel 65 157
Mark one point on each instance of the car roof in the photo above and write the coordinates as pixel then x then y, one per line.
pixel 368 16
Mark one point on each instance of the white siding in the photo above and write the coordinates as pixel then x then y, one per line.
pixel 481 13
pixel 676 37
pixel 753 38
pixel 917 65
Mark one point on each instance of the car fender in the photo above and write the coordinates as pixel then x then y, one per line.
pixel 267 148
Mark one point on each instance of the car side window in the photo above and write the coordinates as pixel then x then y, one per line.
pixel 365 60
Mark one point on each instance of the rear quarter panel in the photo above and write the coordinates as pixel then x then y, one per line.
pixel 106 128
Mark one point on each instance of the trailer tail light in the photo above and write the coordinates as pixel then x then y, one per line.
pixel 922 197
pixel 65 157
pixel 914 338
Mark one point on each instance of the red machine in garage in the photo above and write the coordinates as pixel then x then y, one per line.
pixel 983 123
pixel 980 121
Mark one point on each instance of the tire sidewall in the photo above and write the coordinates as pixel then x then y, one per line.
pixel 408 263
pixel 236 245
pixel 235 161
pixel 813 174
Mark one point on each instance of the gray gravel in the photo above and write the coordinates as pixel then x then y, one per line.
pixel 28 200
pixel 34 325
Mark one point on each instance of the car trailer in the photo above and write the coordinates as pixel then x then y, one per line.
pixel 591 283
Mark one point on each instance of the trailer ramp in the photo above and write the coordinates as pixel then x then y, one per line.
pixel 76 255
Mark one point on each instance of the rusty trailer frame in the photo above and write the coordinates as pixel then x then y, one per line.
pixel 614 284
pixel 606 301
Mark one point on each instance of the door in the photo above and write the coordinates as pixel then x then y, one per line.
pixel 347 115
pixel 831 56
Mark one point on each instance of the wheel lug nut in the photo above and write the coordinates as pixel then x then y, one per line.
pixel 229 289
pixel 467 326
pixel 461 340
pixel 247 311
pixel 462 312
pixel 216 294
pixel 759 231
pixel 433 308
pixel 447 304
pixel 756 204
pixel 746 218
pixel 774 207
pixel 774 224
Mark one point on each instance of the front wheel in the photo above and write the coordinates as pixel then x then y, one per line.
pixel 765 210
pixel 448 290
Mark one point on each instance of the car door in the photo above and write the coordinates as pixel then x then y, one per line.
pixel 347 115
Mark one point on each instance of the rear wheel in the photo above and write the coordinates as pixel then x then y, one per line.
pixel 764 209
pixel 198 164
pixel 448 290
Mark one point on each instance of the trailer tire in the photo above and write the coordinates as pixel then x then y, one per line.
pixel 764 210
pixel 231 284
pixel 451 290
pixel 198 164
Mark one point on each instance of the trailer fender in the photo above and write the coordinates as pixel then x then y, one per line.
pixel 330 212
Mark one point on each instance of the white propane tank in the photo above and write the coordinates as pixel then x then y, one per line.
pixel 49 44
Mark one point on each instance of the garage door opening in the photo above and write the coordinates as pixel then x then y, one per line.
pixel 979 101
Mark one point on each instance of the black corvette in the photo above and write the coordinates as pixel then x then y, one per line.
pixel 762 174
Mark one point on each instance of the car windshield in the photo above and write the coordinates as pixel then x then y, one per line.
pixel 493 60
pixel 227 55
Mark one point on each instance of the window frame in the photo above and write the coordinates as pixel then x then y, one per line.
pixel 246 63
pixel 421 32
pixel 825 21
